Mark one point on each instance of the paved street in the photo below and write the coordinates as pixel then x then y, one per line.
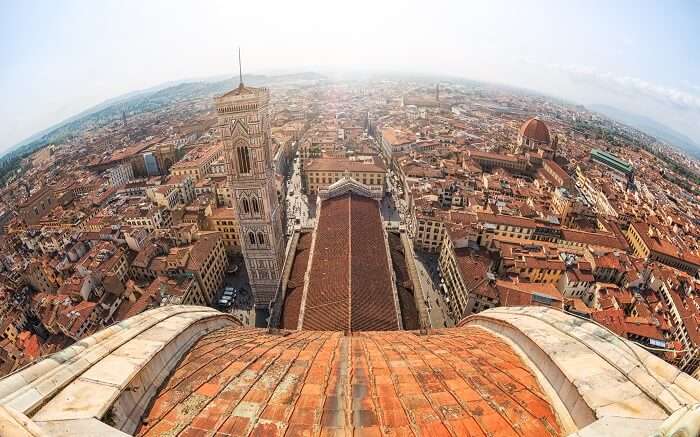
pixel 398 204
pixel 426 265
pixel 298 207
pixel 389 211
pixel 242 307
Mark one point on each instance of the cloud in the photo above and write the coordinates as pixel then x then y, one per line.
pixel 631 86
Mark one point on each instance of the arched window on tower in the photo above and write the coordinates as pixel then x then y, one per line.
pixel 251 237
pixel 243 158
pixel 261 238
pixel 245 206
pixel 256 207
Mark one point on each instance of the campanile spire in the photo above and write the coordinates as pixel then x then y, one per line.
pixel 240 69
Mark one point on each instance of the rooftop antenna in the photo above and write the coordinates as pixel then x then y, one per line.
pixel 240 68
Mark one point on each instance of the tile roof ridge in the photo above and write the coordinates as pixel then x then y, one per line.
pixel 349 326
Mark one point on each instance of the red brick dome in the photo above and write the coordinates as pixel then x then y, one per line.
pixel 536 130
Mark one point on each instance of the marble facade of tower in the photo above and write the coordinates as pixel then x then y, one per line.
pixel 244 128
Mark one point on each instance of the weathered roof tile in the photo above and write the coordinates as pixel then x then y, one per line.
pixel 248 382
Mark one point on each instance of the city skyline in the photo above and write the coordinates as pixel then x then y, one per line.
pixel 62 59
pixel 362 245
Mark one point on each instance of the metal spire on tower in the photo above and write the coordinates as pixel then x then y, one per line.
pixel 240 69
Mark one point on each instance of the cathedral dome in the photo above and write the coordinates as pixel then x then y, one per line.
pixel 187 370
pixel 535 130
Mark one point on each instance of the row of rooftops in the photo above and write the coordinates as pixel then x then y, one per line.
pixel 428 174
pixel 83 228
pixel 487 127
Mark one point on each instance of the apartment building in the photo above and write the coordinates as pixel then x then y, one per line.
pixel 197 163
pixel 466 280
pixel 223 220
pixel 320 173
pixel 120 175
pixel 648 243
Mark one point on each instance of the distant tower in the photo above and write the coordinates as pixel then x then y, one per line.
pixel 244 127
pixel 437 92
pixel 124 118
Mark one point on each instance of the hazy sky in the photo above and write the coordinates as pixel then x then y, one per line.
pixel 60 57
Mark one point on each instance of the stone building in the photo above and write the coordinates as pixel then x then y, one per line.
pixel 322 172
pixel 244 128
pixel 198 162
pixel 37 205
pixel 223 220
pixel 120 174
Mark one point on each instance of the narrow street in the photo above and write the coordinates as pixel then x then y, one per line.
pixel 390 213
pixel 426 265
pixel 237 278
pixel 299 211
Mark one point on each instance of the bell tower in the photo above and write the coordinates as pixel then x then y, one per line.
pixel 243 124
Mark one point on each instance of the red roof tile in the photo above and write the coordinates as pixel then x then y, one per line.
pixel 349 278
pixel 295 285
pixel 461 381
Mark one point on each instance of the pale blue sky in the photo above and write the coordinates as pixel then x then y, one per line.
pixel 60 57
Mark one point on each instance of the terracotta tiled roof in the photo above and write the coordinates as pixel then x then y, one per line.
pixel 595 238
pixel 508 220
pixel 397 137
pixel 404 286
pixel 461 381
pixel 661 245
pixel 30 345
pixel 473 268
pixel 536 130
pixel 554 167
pixel 372 299
pixel 478 154
pixel 528 293
pixel 349 278
pixel 295 285
pixel 614 319
pixel 202 249
pixel 327 301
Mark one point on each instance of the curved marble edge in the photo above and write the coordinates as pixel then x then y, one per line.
pixel 591 368
pixel 28 389
pixel 15 424
pixel 129 376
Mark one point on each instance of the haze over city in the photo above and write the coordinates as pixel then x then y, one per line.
pixel 376 219
pixel 59 58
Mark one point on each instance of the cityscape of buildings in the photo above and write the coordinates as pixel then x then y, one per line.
pixel 355 210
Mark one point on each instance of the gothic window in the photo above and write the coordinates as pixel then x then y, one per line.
pixel 256 207
pixel 246 206
pixel 251 237
pixel 243 158
pixel 261 238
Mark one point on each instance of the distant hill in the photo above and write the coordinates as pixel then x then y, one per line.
pixel 147 100
pixel 650 127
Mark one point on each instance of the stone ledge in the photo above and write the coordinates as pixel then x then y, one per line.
pixel 596 374
pixel 93 392
pixel 28 390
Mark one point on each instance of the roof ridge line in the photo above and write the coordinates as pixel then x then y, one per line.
pixel 349 326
